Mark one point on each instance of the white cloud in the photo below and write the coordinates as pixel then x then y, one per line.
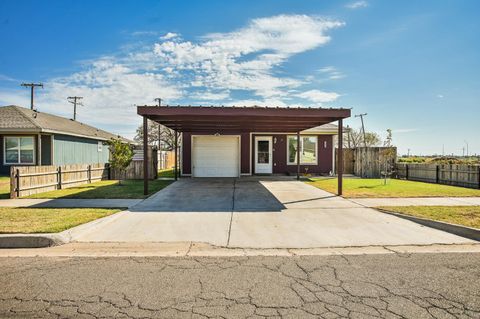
pixel 332 73
pixel 318 96
pixel 169 35
pixel 357 4
pixel 246 61
pixel 440 96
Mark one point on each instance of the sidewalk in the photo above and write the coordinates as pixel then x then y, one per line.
pixel 417 201
pixel 69 203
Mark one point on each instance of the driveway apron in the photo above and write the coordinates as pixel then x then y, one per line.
pixel 256 213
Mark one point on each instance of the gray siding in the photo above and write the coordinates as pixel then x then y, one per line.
pixel 46 150
pixel 77 150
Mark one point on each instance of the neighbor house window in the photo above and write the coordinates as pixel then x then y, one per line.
pixel 308 150
pixel 19 150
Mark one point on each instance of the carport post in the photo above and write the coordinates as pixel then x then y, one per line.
pixel 145 156
pixel 340 158
pixel 176 151
pixel 298 155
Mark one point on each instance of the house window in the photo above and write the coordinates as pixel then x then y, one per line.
pixel 308 150
pixel 19 150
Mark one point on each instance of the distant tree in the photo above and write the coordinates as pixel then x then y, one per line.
pixel 386 156
pixel 353 138
pixel 122 155
pixel 166 135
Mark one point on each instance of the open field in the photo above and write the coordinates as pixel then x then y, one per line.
pixel 461 215
pixel 374 188
pixel 106 189
pixel 47 220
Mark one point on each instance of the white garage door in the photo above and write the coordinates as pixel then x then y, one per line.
pixel 215 156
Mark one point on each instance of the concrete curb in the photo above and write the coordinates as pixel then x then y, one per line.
pixel 459 230
pixel 52 239
pixel 32 240
pixel 192 249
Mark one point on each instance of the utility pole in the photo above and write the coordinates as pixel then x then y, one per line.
pixel 467 146
pixel 363 128
pixel 32 88
pixel 408 153
pixel 75 100
pixel 159 100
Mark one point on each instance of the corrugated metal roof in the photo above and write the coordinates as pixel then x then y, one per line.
pixel 15 118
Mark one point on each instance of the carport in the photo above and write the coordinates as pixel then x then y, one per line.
pixel 224 121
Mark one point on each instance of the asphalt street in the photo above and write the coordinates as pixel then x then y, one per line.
pixel 364 286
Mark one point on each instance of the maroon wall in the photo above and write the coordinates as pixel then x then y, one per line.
pixel 280 166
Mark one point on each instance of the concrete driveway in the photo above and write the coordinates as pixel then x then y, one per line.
pixel 253 213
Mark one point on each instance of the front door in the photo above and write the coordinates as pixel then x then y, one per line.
pixel 263 154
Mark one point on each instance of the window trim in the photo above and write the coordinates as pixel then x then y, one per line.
pixel 301 142
pixel 19 155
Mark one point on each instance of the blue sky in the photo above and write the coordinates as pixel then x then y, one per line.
pixel 413 66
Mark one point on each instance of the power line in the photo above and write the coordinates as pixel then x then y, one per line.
pixel 75 100
pixel 32 88
pixel 363 128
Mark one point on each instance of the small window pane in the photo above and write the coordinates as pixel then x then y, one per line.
pixel 292 150
pixel 263 156
pixel 26 143
pixel 26 156
pixel 309 150
pixel 11 156
pixel 11 143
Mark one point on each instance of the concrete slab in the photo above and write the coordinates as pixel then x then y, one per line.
pixel 259 214
pixel 162 227
pixel 69 203
pixel 331 227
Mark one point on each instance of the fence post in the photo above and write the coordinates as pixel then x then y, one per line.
pixel 437 175
pixel 89 173
pixel 109 171
pixel 59 177
pixel 13 182
pixel 406 172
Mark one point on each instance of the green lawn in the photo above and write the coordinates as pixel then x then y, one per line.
pixel 166 173
pixel 461 215
pixel 374 188
pixel 106 189
pixel 47 220
pixel 4 187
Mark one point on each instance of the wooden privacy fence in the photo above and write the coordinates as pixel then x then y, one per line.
pixel 449 174
pixel 135 169
pixel 367 162
pixel 166 159
pixel 29 180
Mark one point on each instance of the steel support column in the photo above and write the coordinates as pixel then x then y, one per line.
pixel 145 156
pixel 176 155
pixel 298 155
pixel 340 158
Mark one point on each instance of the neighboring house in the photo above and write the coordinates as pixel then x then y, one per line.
pixel 30 137
pixel 235 141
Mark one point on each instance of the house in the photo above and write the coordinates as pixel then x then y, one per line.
pixel 30 137
pixel 238 141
